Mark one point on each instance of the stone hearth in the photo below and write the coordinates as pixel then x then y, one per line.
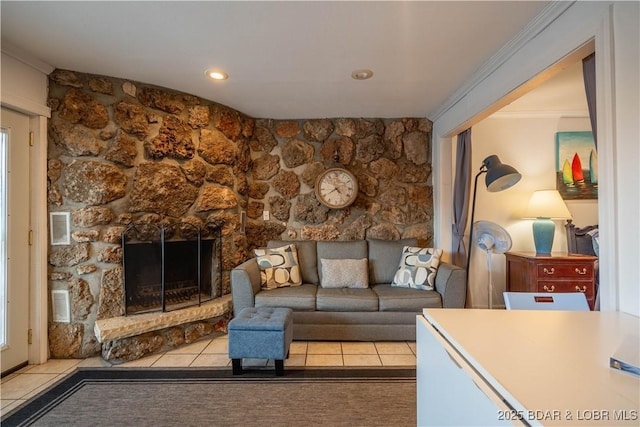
pixel 126 338
pixel 117 328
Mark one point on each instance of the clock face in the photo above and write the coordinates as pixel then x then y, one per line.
pixel 336 188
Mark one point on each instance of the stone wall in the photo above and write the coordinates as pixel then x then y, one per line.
pixel 390 158
pixel 122 152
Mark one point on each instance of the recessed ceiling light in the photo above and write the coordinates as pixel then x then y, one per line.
pixel 217 75
pixel 363 74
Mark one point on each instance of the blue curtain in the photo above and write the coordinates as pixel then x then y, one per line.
pixel 589 77
pixel 589 74
pixel 461 189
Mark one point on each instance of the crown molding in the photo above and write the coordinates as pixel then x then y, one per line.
pixel 549 114
pixel 546 17
pixel 26 58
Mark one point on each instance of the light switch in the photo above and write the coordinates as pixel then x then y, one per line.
pixel 265 215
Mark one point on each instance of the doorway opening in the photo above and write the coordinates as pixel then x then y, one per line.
pixel 522 128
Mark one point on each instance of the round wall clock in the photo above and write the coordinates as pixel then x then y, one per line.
pixel 336 188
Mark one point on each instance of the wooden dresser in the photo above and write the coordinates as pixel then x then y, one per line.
pixel 528 272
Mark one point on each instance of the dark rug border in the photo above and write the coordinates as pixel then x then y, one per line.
pixel 44 401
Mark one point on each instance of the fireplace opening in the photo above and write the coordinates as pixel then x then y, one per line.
pixel 164 271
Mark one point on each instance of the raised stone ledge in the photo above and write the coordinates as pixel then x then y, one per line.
pixel 117 328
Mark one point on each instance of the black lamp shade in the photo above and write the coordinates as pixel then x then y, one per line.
pixel 499 175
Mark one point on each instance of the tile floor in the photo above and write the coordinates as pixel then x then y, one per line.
pixel 20 386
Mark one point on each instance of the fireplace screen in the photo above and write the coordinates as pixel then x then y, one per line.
pixel 164 272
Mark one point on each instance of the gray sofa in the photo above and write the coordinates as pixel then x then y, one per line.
pixel 378 313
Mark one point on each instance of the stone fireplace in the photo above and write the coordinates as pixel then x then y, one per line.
pixel 123 152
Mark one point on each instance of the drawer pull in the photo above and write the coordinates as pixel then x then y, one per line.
pixel 581 289
pixel 582 272
pixel 553 270
pixel 549 289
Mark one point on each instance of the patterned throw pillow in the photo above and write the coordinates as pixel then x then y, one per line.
pixel 418 267
pixel 345 273
pixel 278 267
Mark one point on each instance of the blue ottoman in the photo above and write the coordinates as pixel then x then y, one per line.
pixel 260 333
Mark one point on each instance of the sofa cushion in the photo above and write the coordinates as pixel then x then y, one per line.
pixel 344 273
pixel 306 257
pixel 346 299
pixel 406 299
pixel 296 298
pixel 278 267
pixel 356 249
pixel 384 258
pixel 418 267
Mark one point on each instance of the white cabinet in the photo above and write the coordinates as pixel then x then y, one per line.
pixel 449 391
pixel 521 367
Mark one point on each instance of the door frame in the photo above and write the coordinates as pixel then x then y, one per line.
pixel 39 295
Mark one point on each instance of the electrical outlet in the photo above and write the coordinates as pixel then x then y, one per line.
pixel 265 215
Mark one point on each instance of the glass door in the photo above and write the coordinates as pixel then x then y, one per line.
pixel 14 244
pixel 4 135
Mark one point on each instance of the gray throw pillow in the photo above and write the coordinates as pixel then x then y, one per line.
pixel 344 273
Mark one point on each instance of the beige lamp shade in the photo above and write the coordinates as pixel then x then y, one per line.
pixel 547 204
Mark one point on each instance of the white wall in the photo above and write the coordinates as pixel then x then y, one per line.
pixel 528 144
pixel 615 28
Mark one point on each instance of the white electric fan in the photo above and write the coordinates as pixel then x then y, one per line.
pixel 493 239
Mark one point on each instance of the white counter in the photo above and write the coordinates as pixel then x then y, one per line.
pixel 524 368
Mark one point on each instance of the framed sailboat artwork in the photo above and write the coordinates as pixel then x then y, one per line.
pixel 576 165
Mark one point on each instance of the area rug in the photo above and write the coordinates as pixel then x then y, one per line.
pixel 214 397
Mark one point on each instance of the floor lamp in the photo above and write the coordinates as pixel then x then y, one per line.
pixel 499 177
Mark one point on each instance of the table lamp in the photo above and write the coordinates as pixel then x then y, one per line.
pixel 544 207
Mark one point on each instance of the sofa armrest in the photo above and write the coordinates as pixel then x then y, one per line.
pixel 245 284
pixel 451 284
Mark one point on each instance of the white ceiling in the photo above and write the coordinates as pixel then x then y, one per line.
pixel 285 59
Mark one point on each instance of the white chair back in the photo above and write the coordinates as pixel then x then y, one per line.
pixel 575 301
